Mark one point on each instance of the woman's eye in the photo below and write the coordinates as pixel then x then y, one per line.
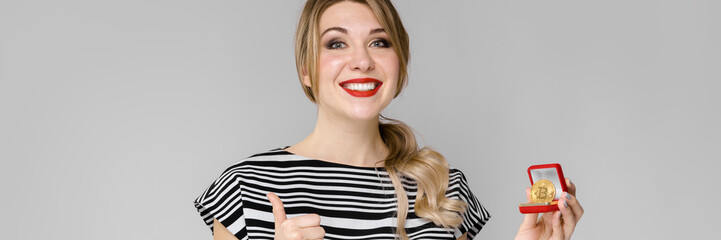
pixel 380 43
pixel 336 45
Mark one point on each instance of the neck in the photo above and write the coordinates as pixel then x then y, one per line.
pixel 346 141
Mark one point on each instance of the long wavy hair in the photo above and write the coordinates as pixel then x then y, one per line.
pixel 426 167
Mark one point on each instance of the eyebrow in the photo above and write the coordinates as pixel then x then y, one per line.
pixel 344 31
pixel 377 30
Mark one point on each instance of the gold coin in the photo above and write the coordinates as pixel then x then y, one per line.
pixel 543 191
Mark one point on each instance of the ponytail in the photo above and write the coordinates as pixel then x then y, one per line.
pixel 427 168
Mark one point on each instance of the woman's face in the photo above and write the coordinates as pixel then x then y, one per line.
pixel 358 68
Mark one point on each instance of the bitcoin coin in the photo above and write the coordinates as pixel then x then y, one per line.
pixel 543 191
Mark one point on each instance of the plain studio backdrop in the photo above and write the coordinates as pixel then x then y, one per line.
pixel 116 115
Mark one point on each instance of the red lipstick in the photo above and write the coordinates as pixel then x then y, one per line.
pixel 361 87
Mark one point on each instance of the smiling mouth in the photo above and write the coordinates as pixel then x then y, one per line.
pixel 361 87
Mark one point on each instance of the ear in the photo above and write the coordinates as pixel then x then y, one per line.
pixel 306 79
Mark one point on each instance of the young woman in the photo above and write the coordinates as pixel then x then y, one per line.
pixel 358 175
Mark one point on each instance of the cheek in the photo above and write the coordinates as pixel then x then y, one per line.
pixel 329 66
pixel 394 68
pixel 391 68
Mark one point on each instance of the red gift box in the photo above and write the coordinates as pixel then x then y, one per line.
pixel 551 172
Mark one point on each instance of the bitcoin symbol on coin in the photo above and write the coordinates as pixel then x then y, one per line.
pixel 543 191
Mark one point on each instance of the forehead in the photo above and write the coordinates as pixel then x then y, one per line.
pixel 349 15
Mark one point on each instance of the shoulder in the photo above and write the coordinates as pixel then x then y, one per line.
pixel 458 184
pixel 270 158
pixel 268 162
pixel 224 198
pixel 456 176
pixel 475 215
pixel 272 152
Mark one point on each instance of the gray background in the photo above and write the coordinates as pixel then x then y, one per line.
pixel 116 115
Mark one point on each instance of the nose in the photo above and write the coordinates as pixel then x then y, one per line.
pixel 361 60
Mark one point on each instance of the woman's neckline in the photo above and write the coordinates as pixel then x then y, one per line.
pixel 284 149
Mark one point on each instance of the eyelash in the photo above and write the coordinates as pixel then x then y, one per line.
pixel 385 43
pixel 332 43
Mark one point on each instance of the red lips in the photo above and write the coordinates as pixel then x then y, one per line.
pixel 362 86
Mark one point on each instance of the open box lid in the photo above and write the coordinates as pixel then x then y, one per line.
pixel 551 172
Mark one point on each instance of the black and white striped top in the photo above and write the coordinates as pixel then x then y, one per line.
pixel 353 202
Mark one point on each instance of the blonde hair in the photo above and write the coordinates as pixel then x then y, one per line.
pixel 426 167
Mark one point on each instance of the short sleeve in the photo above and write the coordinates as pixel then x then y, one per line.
pixel 223 201
pixel 476 215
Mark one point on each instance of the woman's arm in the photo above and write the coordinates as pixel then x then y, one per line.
pixel 220 232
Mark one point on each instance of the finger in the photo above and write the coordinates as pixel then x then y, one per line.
pixel 305 221
pixel 569 219
pixel 528 194
pixel 313 233
pixel 574 205
pixel 530 220
pixel 278 209
pixel 571 187
pixel 557 228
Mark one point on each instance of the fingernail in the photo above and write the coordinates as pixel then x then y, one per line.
pixel 565 203
pixel 568 196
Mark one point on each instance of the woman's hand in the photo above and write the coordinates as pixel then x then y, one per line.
pixel 296 228
pixel 554 225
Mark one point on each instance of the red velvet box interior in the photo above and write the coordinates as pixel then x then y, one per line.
pixel 551 172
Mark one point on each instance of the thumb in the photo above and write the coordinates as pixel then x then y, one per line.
pixel 278 209
pixel 530 220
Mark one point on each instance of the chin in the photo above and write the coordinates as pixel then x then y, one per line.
pixel 364 114
pixel 368 110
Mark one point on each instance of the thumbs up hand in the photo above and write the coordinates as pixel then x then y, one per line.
pixel 296 228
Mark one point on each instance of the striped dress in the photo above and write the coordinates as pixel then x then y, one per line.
pixel 353 202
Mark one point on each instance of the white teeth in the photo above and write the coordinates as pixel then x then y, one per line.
pixel 360 86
